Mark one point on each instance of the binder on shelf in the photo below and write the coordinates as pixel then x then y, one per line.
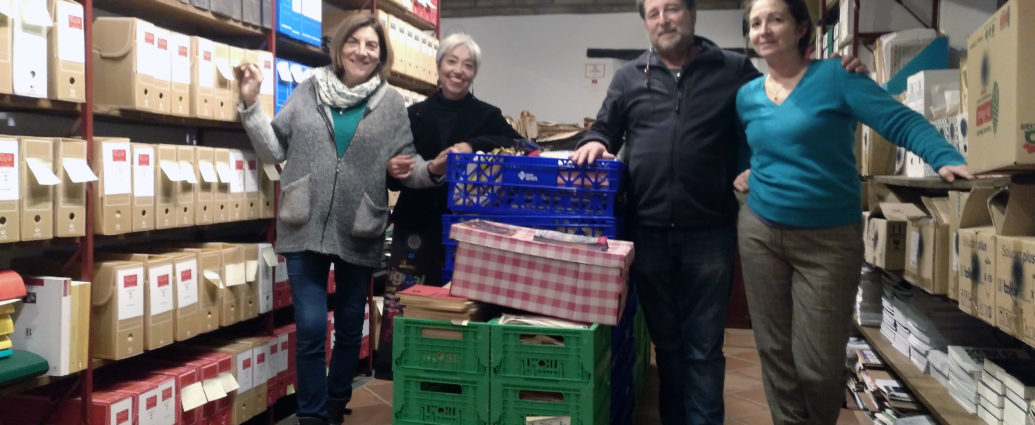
pixel 117 324
pixel 208 183
pixel 223 105
pixel 289 18
pixel 6 22
pixel 114 194
pixel 159 296
pixel 74 172
pixel 180 74
pixel 10 189
pixel 43 323
pixel 228 8
pixel 143 187
pixel 168 176
pixel 252 206
pixel 251 12
pixel 123 52
pixel 200 4
pixel 67 76
pixel 311 19
pixel 81 324
pixel 202 78
pixel 221 196
pixel 268 179
pixel 38 181
pixel 236 203
pixel 285 84
pixel 185 190
pixel 29 40
pixel 209 283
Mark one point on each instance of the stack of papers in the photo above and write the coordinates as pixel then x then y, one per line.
pixel 1017 378
pixel 435 303
pixel 966 368
pixel 868 302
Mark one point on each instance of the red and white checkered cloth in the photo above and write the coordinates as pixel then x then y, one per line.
pixel 570 282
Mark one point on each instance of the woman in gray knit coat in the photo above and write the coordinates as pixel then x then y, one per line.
pixel 336 132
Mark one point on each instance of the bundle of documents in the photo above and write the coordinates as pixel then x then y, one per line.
pixel 435 303
pixel 519 319
pixel 894 50
pixel 1014 381
pixel 966 367
pixel 868 301
pixel 938 360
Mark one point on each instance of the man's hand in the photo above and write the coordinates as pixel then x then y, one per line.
pixel 400 166
pixel 462 147
pixel 741 182
pixel 950 173
pixel 249 79
pixel 589 153
pixel 853 64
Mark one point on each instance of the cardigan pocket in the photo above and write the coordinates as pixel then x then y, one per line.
pixel 294 202
pixel 371 219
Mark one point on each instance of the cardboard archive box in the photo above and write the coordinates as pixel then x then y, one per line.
pixel 73 171
pixel 44 323
pixel 202 78
pixel 223 104
pixel 1013 216
pixel 6 21
pixel 10 190
pixel 265 61
pixel 221 197
pixel 927 248
pixel 1001 90
pixel 268 179
pixel 259 262
pixel 239 296
pixel 67 74
pixel 113 196
pixel 977 262
pixel 238 169
pixel 37 191
pixel 956 201
pixel 189 316
pixel 125 52
pixel 243 372
pixel 237 57
pixel 143 394
pixel 180 74
pixel 878 154
pixel 144 160
pixel 210 286
pixel 117 322
pixel 29 45
pixel 159 296
pixel 188 389
pixel 588 285
pixel 187 188
pixel 208 184
pixel 252 204
pixel 168 176
pixel 885 244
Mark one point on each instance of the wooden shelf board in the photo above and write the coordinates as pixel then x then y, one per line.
pixel 938 184
pixel 410 83
pixel 393 8
pixel 13 102
pixel 174 15
pixel 302 52
pixel 928 391
pixel 103 112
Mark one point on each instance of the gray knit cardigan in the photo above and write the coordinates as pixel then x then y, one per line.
pixel 329 205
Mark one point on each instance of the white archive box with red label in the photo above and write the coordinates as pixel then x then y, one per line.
pixel 114 197
pixel 541 271
pixel 117 322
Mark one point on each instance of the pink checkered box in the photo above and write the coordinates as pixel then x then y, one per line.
pixel 505 265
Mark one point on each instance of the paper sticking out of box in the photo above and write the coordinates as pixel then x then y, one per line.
pixel 271 172
pixel 187 172
pixel 192 396
pixel 213 389
pixel 78 170
pixel 42 172
pixel 213 277
pixel 227 381
pixel 208 172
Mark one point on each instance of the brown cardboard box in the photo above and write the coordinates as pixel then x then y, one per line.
pixel 5 54
pixel 70 194
pixel 185 190
pixel 210 286
pixel 37 194
pixel 239 297
pixel 168 176
pixel 252 206
pixel 124 51
pixel 268 179
pixel 886 234
pixel 237 57
pixel 117 323
pixel 221 196
pixel 927 248
pixel 242 371
pixel 81 327
pixel 267 90
pixel 202 78
pixel 259 262
pixel 956 201
pixel 237 198
pixel 159 296
pixel 113 195
pixel 67 78
pixel 208 184
pixel 143 186
pixel 161 69
pixel 1013 215
pixel 977 256
pixel 180 74
pixel 224 83
pixel 1001 90
pixel 188 321
pixel 878 154
pixel 10 191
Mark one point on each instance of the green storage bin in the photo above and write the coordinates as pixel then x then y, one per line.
pixel 440 346
pixel 514 399
pixel 429 398
pixel 518 351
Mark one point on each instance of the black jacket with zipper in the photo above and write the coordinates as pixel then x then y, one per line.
pixel 438 123
pixel 682 136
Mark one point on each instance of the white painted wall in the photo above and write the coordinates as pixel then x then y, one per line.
pixel 538 63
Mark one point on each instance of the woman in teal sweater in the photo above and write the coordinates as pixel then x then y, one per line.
pixel 800 236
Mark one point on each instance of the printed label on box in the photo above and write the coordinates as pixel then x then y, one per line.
pixel 206 73
pixel 143 171
pixel 161 289
pixel 251 176
pixel 122 412
pixel 179 53
pixel 187 272
pixel 145 48
pixel 9 175
pixel 118 179
pixel 131 292
pixel 71 39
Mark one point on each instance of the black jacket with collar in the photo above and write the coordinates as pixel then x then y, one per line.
pixel 468 120
pixel 682 136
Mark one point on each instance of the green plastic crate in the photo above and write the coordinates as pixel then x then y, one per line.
pixel 440 346
pixel 429 398
pixel 587 403
pixel 579 359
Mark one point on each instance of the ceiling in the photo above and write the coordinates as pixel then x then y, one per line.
pixel 472 8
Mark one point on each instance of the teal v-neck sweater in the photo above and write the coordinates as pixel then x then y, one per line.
pixel 802 161
pixel 345 123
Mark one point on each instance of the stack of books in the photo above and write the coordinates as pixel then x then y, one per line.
pixel 868 301
pixel 435 303
pixel 1016 378
pixel 966 369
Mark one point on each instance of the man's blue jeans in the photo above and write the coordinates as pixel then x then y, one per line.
pixel 683 277
pixel 307 272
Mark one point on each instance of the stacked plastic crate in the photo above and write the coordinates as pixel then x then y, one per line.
pixel 441 372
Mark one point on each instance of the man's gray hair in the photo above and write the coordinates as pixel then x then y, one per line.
pixel 455 40
pixel 690 4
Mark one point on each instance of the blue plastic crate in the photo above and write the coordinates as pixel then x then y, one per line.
pixel 506 184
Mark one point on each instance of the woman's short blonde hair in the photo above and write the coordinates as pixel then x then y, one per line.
pixel 349 26
pixel 456 40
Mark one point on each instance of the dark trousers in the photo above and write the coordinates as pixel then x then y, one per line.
pixel 683 277
pixel 307 272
